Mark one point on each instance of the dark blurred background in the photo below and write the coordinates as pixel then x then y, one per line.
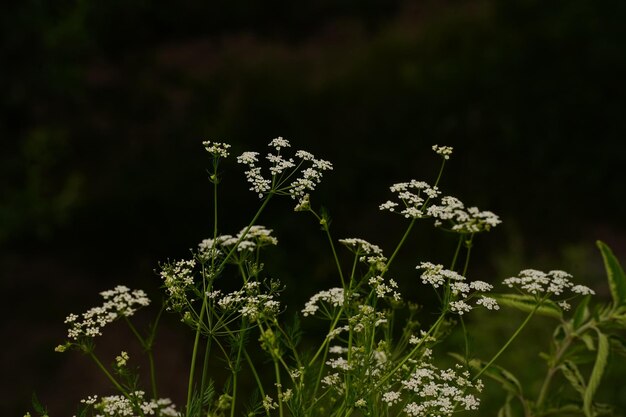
pixel 104 106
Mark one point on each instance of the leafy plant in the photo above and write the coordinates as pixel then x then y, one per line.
pixel 379 354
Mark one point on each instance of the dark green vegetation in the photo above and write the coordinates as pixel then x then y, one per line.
pixel 104 105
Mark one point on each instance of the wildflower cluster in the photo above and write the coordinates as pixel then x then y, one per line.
pixel 217 149
pixel 432 391
pixel 249 302
pixel 460 291
pixel 178 280
pixel 544 285
pixel 118 302
pixel 133 405
pixel 418 199
pixel 366 252
pixel 373 358
pixel 413 196
pixel 249 239
pixel 334 296
pixel 282 169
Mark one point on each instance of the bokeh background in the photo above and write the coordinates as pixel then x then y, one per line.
pixel 104 106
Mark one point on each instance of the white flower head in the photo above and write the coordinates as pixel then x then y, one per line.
pixel 217 149
pixel 444 151
pixel 413 198
pixel 286 176
pixel 539 283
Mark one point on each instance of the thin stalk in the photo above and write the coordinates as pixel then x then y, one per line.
pixel 413 351
pixel 456 253
pixel 397 249
pixel 557 358
pixel 506 345
pixel 468 244
pixel 235 369
pixel 196 343
pixel 117 385
pixel 279 389
pixel 146 344
pixel 194 354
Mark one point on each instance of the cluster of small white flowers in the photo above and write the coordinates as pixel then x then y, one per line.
pixel 444 151
pixel 259 184
pixel 537 282
pixel 423 338
pixel 269 404
pixel 247 240
pixel 178 280
pixel 216 148
pixel 367 252
pixel 461 219
pixel 286 395
pixel 334 296
pixel 414 196
pixel 308 180
pixel 391 397
pixel 304 203
pixel 334 381
pixel 436 275
pixel 439 391
pixel 384 289
pixel 488 302
pixel 460 307
pixel 122 359
pixel 120 406
pixel 118 302
pixel 249 302
pixel 338 363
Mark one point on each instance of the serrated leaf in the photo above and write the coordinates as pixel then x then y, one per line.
pixel 596 373
pixel 575 378
pixel 615 274
pixel 527 303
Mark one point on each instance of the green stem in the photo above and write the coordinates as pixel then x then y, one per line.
pixel 432 329
pixel 117 385
pixel 468 244
pixel 146 344
pixel 456 253
pixel 398 246
pixel 506 345
pixel 194 355
pixel 235 368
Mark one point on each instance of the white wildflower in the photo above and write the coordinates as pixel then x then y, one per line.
pixel 444 151
pixel 216 148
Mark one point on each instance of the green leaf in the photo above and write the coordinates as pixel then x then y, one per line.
pixel 615 274
pixel 581 315
pixel 528 303
pixel 596 373
pixel 575 378
pixel 37 405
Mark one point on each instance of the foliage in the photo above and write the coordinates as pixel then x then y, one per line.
pixel 380 353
